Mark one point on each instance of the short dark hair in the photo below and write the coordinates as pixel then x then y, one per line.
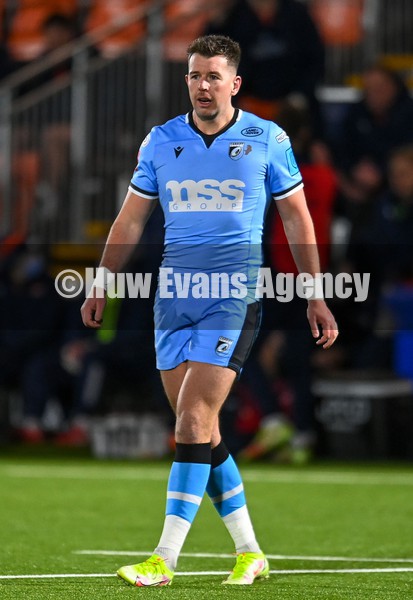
pixel 216 45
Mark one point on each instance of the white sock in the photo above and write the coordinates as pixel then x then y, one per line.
pixel 173 536
pixel 241 530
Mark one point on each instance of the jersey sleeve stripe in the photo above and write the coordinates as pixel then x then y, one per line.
pixel 288 192
pixel 139 192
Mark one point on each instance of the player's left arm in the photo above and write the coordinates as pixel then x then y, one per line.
pixel 299 229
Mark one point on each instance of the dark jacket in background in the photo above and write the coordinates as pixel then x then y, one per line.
pixel 284 56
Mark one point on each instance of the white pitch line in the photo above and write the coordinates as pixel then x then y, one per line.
pixel 270 556
pixel 339 571
pixel 328 478
pixel 58 576
pixel 249 475
pixel 203 573
pixel 26 472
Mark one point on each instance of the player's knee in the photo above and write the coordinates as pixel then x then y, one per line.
pixel 192 427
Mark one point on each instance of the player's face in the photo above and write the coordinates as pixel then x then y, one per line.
pixel 212 83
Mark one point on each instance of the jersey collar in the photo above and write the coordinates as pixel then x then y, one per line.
pixel 209 138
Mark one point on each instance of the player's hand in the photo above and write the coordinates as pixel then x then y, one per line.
pixel 93 307
pixel 319 315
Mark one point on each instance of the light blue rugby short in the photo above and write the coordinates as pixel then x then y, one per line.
pixel 215 331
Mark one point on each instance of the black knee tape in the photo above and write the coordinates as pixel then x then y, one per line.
pixel 193 453
pixel 219 454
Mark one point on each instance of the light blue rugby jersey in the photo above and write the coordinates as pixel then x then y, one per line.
pixel 215 196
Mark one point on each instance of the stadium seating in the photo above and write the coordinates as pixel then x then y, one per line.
pixel 339 21
pixel 105 12
pixel 190 25
pixel 25 38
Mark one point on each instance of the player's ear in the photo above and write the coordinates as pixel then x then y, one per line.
pixel 236 84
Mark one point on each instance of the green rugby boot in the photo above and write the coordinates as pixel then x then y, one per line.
pixel 152 572
pixel 249 567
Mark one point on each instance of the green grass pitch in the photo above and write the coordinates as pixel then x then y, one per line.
pixel 336 532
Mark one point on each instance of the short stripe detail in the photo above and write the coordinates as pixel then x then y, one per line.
pixel 186 488
pixel 236 514
pixel 247 337
pixel 286 193
pixel 184 497
pixel 184 510
pixel 135 190
pixel 226 507
pixel 229 494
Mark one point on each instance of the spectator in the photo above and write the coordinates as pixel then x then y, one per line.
pixel 380 244
pixel 281 365
pixel 30 316
pixel 51 373
pixel 118 356
pixel 80 370
pixel 54 145
pixel 58 30
pixel 373 127
pixel 282 54
pixel 392 223
pixel 121 356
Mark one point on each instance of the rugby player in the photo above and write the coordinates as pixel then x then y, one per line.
pixel 214 172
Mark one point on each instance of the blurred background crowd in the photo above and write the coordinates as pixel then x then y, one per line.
pixel 82 82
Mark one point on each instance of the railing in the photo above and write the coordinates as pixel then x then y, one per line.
pixel 67 150
pixel 395 32
pixel 61 144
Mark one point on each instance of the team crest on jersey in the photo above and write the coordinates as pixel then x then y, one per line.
pixel 223 345
pixel 236 150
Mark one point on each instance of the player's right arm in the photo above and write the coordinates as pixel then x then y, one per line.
pixel 124 234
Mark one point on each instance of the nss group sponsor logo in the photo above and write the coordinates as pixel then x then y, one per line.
pixel 252 131
pixel 206 195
